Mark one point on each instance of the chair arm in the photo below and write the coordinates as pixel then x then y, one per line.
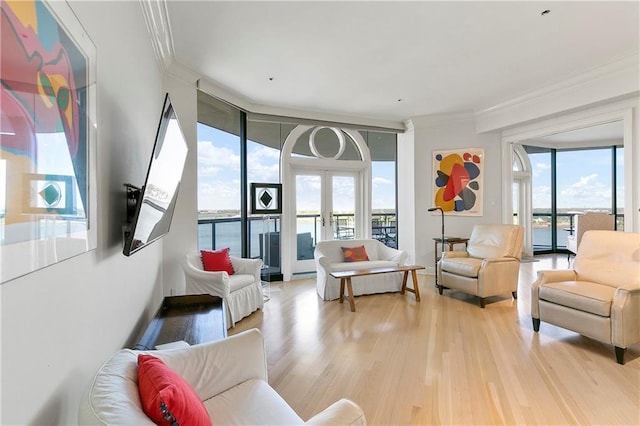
pixel 498 275
pixel 342 412
pixel 247 266
pixel 394 255
pixel 212 368
pixel 324 262
pixel 198 281
pixel 548 276
pixel 625 316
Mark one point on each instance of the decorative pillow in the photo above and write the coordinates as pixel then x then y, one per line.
pixel 218 260
pixel 354 254
pixel 166 397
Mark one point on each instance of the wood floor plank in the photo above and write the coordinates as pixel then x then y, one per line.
pixel 443 360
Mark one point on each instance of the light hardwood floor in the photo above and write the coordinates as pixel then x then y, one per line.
pixel 442 360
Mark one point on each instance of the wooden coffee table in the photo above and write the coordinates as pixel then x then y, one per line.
pixel 345 278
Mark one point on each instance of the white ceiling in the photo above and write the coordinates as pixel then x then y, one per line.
pixel 360 58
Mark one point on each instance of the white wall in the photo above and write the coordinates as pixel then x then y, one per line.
pixel 60 323
pixel 431 133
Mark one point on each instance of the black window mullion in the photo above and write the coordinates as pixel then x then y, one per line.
pixel 243 185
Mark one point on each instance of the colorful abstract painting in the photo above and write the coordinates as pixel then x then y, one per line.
pixel 457 181
pixel 47 73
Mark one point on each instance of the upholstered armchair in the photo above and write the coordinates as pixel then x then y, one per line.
pixel 488 267
pixel 598 298
pixel 586 222
pixel 242 291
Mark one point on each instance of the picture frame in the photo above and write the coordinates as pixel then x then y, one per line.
pixel 457 181
pixel 48 200
pixel 266 198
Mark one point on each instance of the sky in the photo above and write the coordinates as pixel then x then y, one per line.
pixel 583 179
pixel 219 175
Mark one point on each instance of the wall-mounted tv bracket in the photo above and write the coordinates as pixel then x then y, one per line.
pixel 133 197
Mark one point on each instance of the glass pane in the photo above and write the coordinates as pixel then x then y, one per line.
pixel 583 180
pixel 344 207
pixel 382 147
pixel 515 200
pixel 308 206
pixel 219 183
pixel 541 199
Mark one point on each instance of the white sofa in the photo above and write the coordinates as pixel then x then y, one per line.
pixel 329 258
pixel 242 291
pixel 229 376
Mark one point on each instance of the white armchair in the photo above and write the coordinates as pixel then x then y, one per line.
pixel 229 376
pixel 242 291
pixel 600 296
pixel 488 267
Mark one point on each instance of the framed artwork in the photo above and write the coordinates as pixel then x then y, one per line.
pixel 47 137
pixel 266 198
pixel 457 181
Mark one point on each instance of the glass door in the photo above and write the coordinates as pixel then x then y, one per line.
pixel 326 209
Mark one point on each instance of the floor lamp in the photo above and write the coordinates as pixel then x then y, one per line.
pixel 433 209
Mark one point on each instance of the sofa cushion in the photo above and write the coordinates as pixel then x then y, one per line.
pixel 354 254
pixel 465 266
pixel 253 402
pixel 166 397
pixel 367 264
pixel 238 281
pixel 217 260
pixel 582 295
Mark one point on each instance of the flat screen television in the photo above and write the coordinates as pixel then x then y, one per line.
pixel 150 208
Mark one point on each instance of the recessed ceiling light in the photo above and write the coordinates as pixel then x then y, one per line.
pixel 545 12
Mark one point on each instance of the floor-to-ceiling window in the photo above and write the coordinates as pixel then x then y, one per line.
pixel 383 148
pixel 566 182
pixel 236 149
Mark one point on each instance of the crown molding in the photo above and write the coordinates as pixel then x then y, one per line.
pixel 434 120
pixel 247 105
pixel 617 78
pixel 156 18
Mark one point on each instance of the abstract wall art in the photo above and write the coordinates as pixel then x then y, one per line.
pixel 47 136
pixel 457 181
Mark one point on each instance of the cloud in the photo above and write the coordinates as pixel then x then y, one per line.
pixel 219 194
pixel 212 159
pixel 381 181
pixel 588 191
pixel 263 165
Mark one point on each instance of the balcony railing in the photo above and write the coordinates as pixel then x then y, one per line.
pixel 564 228
pixel 225 232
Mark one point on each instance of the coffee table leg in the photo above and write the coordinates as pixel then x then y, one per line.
pixel 404 282
pixel 416 289
pixel 350 289
pixel 341 289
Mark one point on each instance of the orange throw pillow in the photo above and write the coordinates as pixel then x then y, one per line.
pixel 354 254
pixel 216 261
pixel 166 397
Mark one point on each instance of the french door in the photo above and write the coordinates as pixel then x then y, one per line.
pixel 328 207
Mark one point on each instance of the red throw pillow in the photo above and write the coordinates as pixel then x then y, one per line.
pixel 354 254
pixel 218 260
pixel 166 397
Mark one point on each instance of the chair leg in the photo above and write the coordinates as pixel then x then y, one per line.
pixel 515 295
pixel 620 354
pixel 483 302
pixel 536 324
pixel 440 289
